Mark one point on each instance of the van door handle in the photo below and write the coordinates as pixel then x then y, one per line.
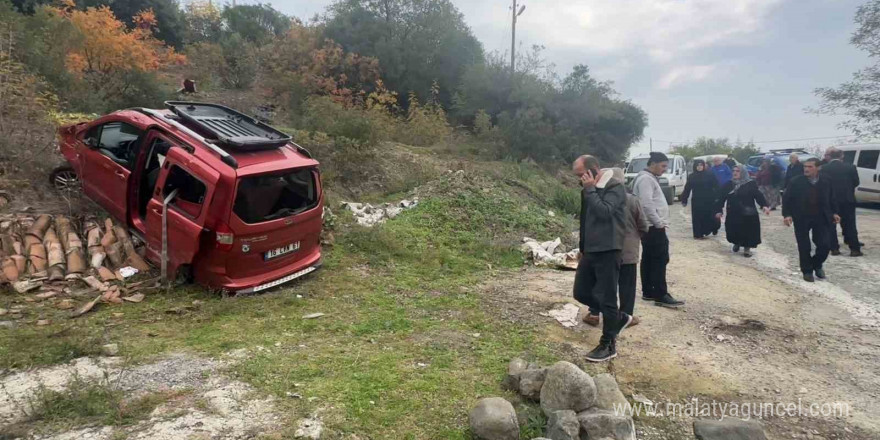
pixel 119 174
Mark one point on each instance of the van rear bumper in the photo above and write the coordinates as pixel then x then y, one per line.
pixel 268 280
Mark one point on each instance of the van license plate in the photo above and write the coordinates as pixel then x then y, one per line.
pixel 292 247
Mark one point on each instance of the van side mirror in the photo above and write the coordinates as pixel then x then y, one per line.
pixel 91 142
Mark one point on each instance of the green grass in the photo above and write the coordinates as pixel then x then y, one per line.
pixel 407 345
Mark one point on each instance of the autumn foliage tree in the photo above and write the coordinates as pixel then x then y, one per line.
pixel 110 57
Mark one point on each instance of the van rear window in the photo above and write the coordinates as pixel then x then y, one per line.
pixel 269 197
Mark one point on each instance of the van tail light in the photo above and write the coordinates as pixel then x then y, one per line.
pixel 225 237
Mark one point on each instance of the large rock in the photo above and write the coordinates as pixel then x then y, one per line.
pixel 514 369
pixel 599 423
pixel 608 395
pixel 531 381
pixel 567 387
pixel 563 425
pixel 728 429
pixel 494 419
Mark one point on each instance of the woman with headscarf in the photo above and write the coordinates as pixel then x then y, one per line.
pixel 704 186
pixel 767 183
pixel 742 224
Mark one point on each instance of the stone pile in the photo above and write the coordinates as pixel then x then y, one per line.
pixel 368 215
pixel 579 406
pixel 550 254
pixel 576 405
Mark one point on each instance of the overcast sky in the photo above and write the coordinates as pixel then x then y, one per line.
pixel 720 68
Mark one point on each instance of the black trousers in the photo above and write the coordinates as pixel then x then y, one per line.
pixel 655 257
pixel 820 229
pixel 626 290
pixel 848 224
pixel 595 285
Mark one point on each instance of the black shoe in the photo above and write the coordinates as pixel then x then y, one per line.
pixel 856 253
pixel 625 321
pixel 735 248
pixel 648 298
pixel 605 351
pixel 747 253
pixel 835 252
pixel 669 301
pixel 820 274
pixel 809 277
pixel 714 232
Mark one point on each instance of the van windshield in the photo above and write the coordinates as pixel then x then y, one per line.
pixel 637 165
pixel 272 196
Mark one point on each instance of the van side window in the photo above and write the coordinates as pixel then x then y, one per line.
pixel 119 142
pixel 190 191
pixel 868 159
pixel 849 156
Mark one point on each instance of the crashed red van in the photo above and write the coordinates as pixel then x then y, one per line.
pixel 242 203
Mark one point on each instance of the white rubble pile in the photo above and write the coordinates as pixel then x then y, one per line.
pixel 368 215
pixel 550 253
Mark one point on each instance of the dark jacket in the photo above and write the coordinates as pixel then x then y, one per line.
pixel 603 218
pixel 794 202
pixel 777 176
pixel 793 171
pixel 844 180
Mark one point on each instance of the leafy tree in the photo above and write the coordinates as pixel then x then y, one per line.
pixel 857 99
pixel 204 22
pixel 547 120
pixel 704 146
pixel 167 14
pixel 257 24
pixel 417 42
pixel 110 57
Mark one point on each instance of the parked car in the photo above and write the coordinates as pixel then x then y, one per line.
pixel 779 157
pixel 672 181
pixel 865 157
pixel 244 203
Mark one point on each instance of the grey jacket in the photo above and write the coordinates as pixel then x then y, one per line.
pixel 603 218
pixel 647 189
pixel 636 225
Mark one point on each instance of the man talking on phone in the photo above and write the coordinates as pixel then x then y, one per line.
pixel 602 233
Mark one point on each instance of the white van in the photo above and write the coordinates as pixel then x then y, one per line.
pixel 672 182
pixel 866 158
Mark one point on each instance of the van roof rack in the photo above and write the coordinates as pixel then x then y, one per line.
pixel 227 127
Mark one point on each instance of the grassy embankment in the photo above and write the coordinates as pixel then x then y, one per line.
pixel 407 344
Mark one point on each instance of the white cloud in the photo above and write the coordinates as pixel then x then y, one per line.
pixel 662 28
pixel 682 74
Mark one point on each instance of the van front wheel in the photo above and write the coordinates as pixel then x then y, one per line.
pixel 64 179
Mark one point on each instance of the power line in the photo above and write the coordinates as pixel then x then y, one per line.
pixel 773 141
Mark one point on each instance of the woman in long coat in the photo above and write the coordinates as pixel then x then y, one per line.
pixel 768 183
pixel 742 224
pixel 704 186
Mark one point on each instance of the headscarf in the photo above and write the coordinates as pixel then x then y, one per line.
pixel 744 177
pixel 700 161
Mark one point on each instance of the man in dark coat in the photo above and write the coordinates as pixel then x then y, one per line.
pixel 795 168
pixel 730 161
pixel 603 229
pixel 810 205
pixel 844 179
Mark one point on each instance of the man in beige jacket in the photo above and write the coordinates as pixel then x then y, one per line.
pixel 636 227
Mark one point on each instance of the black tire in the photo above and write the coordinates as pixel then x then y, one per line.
pixel 64 178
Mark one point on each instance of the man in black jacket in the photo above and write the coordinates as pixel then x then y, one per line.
pixel 795 168
pixel 844 179
pixel 603 228
pixel 810 205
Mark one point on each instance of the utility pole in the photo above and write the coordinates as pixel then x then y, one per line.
pixel 651 140
pixel 514 14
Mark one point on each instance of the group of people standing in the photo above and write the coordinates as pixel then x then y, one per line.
pixel 614 224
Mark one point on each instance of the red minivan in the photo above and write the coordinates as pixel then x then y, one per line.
pixel 243 204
